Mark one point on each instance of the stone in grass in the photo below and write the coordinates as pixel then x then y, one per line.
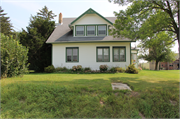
pixel 120 86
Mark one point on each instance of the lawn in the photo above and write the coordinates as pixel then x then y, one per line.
pixel 59 95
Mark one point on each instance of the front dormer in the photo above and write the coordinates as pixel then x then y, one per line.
pixel 90 24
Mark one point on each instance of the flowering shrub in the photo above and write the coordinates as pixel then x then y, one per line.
pixel 77 68
pixel 103 67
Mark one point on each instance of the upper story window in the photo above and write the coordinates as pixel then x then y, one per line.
pixel 79 30
pixel 102 30
pixel 91 31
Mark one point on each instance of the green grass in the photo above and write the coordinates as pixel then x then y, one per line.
pixel 155 95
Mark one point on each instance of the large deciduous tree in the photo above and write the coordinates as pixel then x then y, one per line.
pixel 144 18
pixel 6 27
pixel 38 31
pixel 159 48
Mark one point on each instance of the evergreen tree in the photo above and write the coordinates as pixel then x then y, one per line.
pixel 38 31
pixel 45 14
pixel 6 27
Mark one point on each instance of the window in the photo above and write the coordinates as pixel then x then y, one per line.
pixel 102 30
pixel 72 54
pixel 119 54
pixel 91 31
pixel 79 30
pixel 103 54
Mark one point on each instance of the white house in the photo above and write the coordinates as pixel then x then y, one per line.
pixel 85 41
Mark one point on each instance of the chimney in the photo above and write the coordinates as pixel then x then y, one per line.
pixel 60 18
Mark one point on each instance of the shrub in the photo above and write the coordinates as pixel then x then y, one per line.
pixel 13 57
pixel 119 69
pixel 49 69
pixel 113 69
pixel 77 68
pixel 64 69
pixel 131 69
pixel 103 67
pixel 87 69
pixel 59 69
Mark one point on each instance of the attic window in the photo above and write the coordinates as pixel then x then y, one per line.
pixel 79 30
pixel 90 30
pixel 102 30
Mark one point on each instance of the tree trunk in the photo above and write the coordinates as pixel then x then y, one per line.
pixel 156 65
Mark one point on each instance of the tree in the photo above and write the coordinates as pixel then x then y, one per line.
pixel 38 31
pixel 6 27
pixel 13 57
pixel 45 14
pixel 144 18
pixel 159 48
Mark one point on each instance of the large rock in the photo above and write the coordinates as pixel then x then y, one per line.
pixel 120 86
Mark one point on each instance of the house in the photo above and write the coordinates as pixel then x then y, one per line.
pixel 85 41
pixel 174 65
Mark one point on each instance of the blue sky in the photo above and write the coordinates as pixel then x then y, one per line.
pixel 20 11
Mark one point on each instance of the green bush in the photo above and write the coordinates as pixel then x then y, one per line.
pixel 103 67
pixel 13 57
pixel 131 69
pixel 119 69
pixel 77 68
pixel 58 69
pixel 87 69
pixel 113 69
pixel 49 69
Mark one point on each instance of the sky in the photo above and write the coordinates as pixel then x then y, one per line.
pixel 20 11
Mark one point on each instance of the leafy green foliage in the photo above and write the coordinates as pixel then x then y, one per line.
pixel 159 48
pixel 34 38
pixel 49 69
pixel 13 57
pixel 6 27
pixel 143 18
pixel 131 69
pixel 103 67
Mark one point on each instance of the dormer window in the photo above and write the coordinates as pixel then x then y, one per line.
pixel 79 30
pixel 91 31
pixel 101 30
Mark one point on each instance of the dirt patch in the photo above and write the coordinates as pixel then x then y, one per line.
pixel 22 101
pixel 133 94
pixel 142 116
pixel 173 102
pixel 116 94
pixel 101 102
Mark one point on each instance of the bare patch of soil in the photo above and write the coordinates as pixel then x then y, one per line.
pixel 173 102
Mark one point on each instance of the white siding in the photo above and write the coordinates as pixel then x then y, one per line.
pixel 87 55
pixel 90 19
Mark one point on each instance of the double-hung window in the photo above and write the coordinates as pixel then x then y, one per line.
pixel 79 30
pixel 103 54
pixel 72 54
pixel 119 54
pixel 91 31
pixel 102 30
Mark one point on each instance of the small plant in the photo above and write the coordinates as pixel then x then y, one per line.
pixel 113 69
pixel 103 68
pixel 131 69
pixel 64 69
pixel 77 68
pixel 49 69
pixel 58 69
pixel 119 69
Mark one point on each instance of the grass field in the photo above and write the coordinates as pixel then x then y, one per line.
pixel 155 95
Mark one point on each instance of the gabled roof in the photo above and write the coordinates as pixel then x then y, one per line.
pixel 63 34
pixel 90 11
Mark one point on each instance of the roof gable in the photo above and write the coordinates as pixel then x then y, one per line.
pixel 90 11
